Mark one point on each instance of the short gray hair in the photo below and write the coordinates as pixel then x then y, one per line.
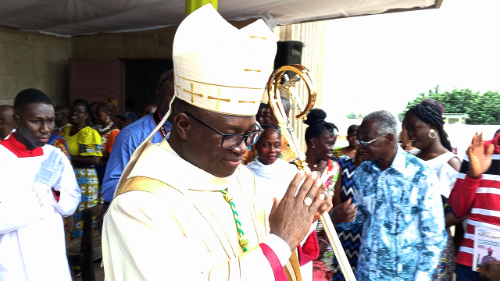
pixel 388 124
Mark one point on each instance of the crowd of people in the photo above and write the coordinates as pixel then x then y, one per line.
pixel 85 133
pixel 210 190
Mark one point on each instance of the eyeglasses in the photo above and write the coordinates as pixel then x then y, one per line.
pixel 366 143
pixel 231 141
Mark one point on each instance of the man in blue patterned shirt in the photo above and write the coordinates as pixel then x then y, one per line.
pixel 398 203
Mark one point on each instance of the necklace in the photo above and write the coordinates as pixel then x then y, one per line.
pixel 102 130
pixel 314 165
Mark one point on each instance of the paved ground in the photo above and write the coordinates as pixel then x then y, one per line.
pixel 99 272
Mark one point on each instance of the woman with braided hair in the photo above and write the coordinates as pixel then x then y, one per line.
pixel 320 139
pixel 424 123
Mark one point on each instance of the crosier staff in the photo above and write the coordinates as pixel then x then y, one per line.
pixel 273 88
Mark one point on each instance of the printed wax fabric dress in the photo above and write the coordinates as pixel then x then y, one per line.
pixel 323 266
pixel 350 239
pixel 59 142
pixel 337 154
pixel 87 142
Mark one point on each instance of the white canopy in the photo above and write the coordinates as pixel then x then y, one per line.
pixel 79 17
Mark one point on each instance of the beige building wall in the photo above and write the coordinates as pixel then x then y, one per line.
pixel 33 60
pixel 312 34
pixel 154 44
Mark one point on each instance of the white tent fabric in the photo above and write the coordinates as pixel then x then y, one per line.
pixel 80 17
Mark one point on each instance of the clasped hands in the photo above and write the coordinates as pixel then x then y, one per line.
pixel 291 218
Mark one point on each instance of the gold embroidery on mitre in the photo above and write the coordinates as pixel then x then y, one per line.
pixel 256 70
pixel 225 86
pixel 192 93
pixel 244 101
pixel 218 100
pixel 178 92
pixel 251 36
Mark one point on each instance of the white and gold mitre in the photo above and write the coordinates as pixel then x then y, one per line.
pixel 219 67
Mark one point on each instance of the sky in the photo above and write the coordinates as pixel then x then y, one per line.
pixel 383 61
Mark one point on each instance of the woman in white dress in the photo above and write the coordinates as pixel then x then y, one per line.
pixel 272 177
pixel 424 124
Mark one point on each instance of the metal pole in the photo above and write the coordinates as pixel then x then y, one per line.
pixel 193 5
pixel 337 247
pixel 287 130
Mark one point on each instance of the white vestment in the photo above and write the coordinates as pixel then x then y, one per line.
pixel 447 174
pixel 272 181
pixel 169 221
pixel 32 242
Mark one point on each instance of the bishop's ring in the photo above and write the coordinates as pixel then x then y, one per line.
pixel 308 200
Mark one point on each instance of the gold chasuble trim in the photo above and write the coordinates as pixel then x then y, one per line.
pixel 141 183
pixel 154 186
pixel 148 180
pixel 292 268
pixel 151 185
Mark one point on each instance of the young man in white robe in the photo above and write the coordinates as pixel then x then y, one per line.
pixel 38 188
pixel 272 177
pixel 185 209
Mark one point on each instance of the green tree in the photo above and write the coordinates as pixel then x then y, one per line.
pixel 351 116
pixel 483 109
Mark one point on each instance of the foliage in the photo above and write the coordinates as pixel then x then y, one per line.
pixel 483 109
pixel 351 116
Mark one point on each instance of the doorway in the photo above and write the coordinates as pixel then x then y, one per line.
pixel 141 81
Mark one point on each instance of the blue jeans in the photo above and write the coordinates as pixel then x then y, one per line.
pixel 465 273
